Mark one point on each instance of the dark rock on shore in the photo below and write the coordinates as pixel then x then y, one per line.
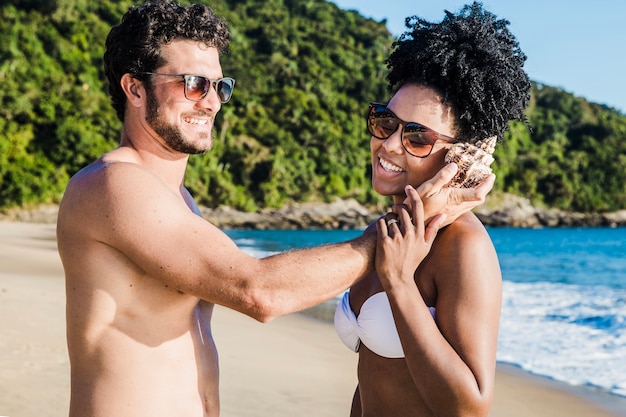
pixel 514 211
pixel 340 214
pixel 498 210
pixel 503 210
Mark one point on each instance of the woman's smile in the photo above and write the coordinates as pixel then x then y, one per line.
pixel 389 166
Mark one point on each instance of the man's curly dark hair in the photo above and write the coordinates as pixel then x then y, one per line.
pixel 473 61
pixel 134 46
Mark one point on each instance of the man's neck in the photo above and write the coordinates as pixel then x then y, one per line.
pixel 153 155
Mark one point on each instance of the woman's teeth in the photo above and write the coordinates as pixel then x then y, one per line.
pixel 388 166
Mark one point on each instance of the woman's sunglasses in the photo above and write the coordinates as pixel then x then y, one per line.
pixel 198 86
pixel 417 139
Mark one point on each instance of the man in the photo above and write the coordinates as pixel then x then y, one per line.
pixel 143 269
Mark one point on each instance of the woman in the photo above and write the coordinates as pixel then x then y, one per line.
pixel 425 324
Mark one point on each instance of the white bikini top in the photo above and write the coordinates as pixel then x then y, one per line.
pixel 374 327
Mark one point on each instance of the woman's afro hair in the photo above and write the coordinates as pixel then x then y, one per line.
pixel 473 61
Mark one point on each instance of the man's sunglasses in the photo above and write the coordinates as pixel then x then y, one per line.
pixel 198 86
pixel 417 139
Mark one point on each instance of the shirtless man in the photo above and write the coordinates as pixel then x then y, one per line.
pixel 143 269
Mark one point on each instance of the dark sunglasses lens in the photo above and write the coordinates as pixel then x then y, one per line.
pixel 225 89
pixel 418 139
pixel 197 87
pixel 381 123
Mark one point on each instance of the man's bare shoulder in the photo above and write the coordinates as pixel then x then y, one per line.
pixel 109 176
pixel 131 208
pixel 107 195
pixel 107 181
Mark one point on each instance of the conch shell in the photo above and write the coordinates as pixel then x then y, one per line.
pixel 473 161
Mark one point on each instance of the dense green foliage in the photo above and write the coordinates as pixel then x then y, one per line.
pixel 294 130
pixel 574 159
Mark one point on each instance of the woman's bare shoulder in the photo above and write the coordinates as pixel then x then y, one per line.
pixel 464 250
pixel 463 234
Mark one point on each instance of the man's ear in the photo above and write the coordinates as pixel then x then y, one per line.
pixel 134 90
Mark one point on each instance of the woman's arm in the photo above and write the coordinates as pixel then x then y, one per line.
pixel 457 353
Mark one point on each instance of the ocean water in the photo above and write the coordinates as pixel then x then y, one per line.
pixel 564 297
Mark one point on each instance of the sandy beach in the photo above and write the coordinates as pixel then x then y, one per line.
pixel 293 366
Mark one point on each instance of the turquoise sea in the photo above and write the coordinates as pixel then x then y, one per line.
pixel 564 297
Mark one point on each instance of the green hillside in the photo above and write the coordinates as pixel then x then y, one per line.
pixel 294 130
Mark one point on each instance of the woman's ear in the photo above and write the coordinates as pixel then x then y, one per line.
pixel 134 89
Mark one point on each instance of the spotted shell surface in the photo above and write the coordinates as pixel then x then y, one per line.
pixel 474 162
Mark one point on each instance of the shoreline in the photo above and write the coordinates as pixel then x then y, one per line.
pixel 609 402
pixel 499 210
pixel 290 366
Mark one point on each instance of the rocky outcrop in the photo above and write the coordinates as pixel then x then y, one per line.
pixel 503 210
pixel 514 211
pixel 340 214
pixel 498 210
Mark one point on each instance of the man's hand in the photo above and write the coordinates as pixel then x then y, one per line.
pixel 453 202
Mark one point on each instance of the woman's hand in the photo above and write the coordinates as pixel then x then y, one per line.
pixel 404 241
pixel 453 202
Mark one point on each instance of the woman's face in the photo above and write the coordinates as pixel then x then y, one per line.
pixel 392 166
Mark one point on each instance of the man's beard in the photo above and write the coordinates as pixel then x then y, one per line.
pixel 171 134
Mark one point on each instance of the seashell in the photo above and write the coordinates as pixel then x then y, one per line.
pixel 473 161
